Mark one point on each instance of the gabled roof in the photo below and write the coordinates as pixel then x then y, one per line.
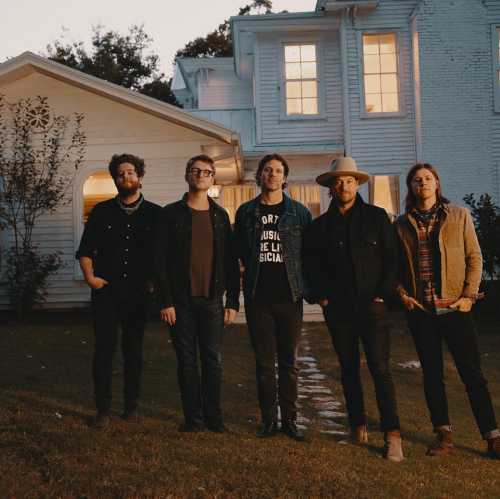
pixel 27 63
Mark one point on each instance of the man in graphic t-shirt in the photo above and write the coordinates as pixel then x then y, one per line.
pixel 269 232
pixel 196 264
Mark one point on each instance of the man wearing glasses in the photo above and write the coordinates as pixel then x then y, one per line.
pixel 196 263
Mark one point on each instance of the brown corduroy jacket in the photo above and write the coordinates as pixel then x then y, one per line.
pixel 461 261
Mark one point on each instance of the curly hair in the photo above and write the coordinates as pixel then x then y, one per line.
pixel 263 162
pixel 119 159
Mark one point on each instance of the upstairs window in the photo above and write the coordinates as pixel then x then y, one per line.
pixel 496 66
pixel 380 73
pixel 301 80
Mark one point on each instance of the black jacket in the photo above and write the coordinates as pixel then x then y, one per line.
pixel 172 259
pixel 120 245
pixel 373 251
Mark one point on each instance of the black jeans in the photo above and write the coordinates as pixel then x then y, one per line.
pixel 199 325
pixel 347 328
pixel 459 332
pixel 275 332
pixel 113 307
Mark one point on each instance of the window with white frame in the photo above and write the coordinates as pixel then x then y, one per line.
pixel 97 187
pixel 380 73
pixel 496 66
pixel 301 79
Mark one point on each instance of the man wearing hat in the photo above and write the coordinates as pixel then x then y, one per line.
pixel 350 262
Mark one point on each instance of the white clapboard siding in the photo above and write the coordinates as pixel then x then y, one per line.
pixel 111 127
pixel 271 127
pixel 222 89
pixel 460 130
pixel 381 144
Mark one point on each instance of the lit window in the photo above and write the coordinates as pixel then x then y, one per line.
pixel 232 196
pixel 380 73
pixel 98 187
pixel 384 192
pixel 301 79
pixel 307 194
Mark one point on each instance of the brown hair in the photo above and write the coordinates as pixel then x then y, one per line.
pixel 119 159
pixel 263 162
pixel 201 157
pixel 410 200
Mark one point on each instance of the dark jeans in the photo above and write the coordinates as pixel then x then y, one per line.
pixel 111 309
pixel 459 332
pixel 274 332
pixel 347 328
pixel 199 325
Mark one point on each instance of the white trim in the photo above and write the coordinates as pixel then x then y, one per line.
pixel 495 64
pixel 319 47
pixel 363 114
pixel 28 62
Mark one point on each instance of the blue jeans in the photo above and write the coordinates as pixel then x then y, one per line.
pixel 199 326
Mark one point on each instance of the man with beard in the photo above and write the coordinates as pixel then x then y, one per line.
pixel 115 256
pixel 351 255
pixel 196 264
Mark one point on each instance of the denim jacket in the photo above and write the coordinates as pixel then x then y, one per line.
pixel 291 227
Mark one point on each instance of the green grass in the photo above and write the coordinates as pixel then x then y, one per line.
pixel 48 450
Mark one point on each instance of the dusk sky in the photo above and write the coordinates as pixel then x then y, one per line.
pixel 31 24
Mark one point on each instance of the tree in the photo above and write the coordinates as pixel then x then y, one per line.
pixel 219 43
pixel 38 152
pixel 121 59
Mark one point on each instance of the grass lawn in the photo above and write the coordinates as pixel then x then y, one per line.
pixel 48 450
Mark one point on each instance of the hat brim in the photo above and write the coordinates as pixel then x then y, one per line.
pixel 326 179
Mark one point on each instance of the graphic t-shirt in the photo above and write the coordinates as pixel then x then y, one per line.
pixel 272 284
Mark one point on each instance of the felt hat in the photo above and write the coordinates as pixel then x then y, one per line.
pixel 343 166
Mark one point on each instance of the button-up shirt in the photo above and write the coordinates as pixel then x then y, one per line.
pixel 120 245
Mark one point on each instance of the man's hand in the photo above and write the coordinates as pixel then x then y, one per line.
pixel 462 304
pixel 167 315
pixel 410 303
pixel 323 302
pixel 229 316
pixel 96 282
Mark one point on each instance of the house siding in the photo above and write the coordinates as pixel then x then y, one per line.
pixel 460 130
pixel 381 144
pixel 110 128
pixel 224 90
pixel 271 127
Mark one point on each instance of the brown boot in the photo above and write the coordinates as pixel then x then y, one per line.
pixel 359 435
pixel 393 450
pixel 443 445
pixel 494 447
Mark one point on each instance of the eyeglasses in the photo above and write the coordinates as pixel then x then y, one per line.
pixel 197 172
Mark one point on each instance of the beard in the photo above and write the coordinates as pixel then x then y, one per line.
pixel 128 190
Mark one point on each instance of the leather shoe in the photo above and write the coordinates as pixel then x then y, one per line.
pixel 131 416
pixel 289 428
pixel 267 429
pixel 217 427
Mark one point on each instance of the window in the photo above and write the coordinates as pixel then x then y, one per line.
pixel 308 195
pixel 380 73
pixel 495 34
pixel 98 187
pixel 232 196
pixel 384 192
pixel 301 80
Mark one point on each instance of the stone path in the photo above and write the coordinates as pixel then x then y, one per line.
pixel 316 395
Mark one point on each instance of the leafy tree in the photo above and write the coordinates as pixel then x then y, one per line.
pixel 219 43
pixel 121 59
pixel 486 216
pixel 38 152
